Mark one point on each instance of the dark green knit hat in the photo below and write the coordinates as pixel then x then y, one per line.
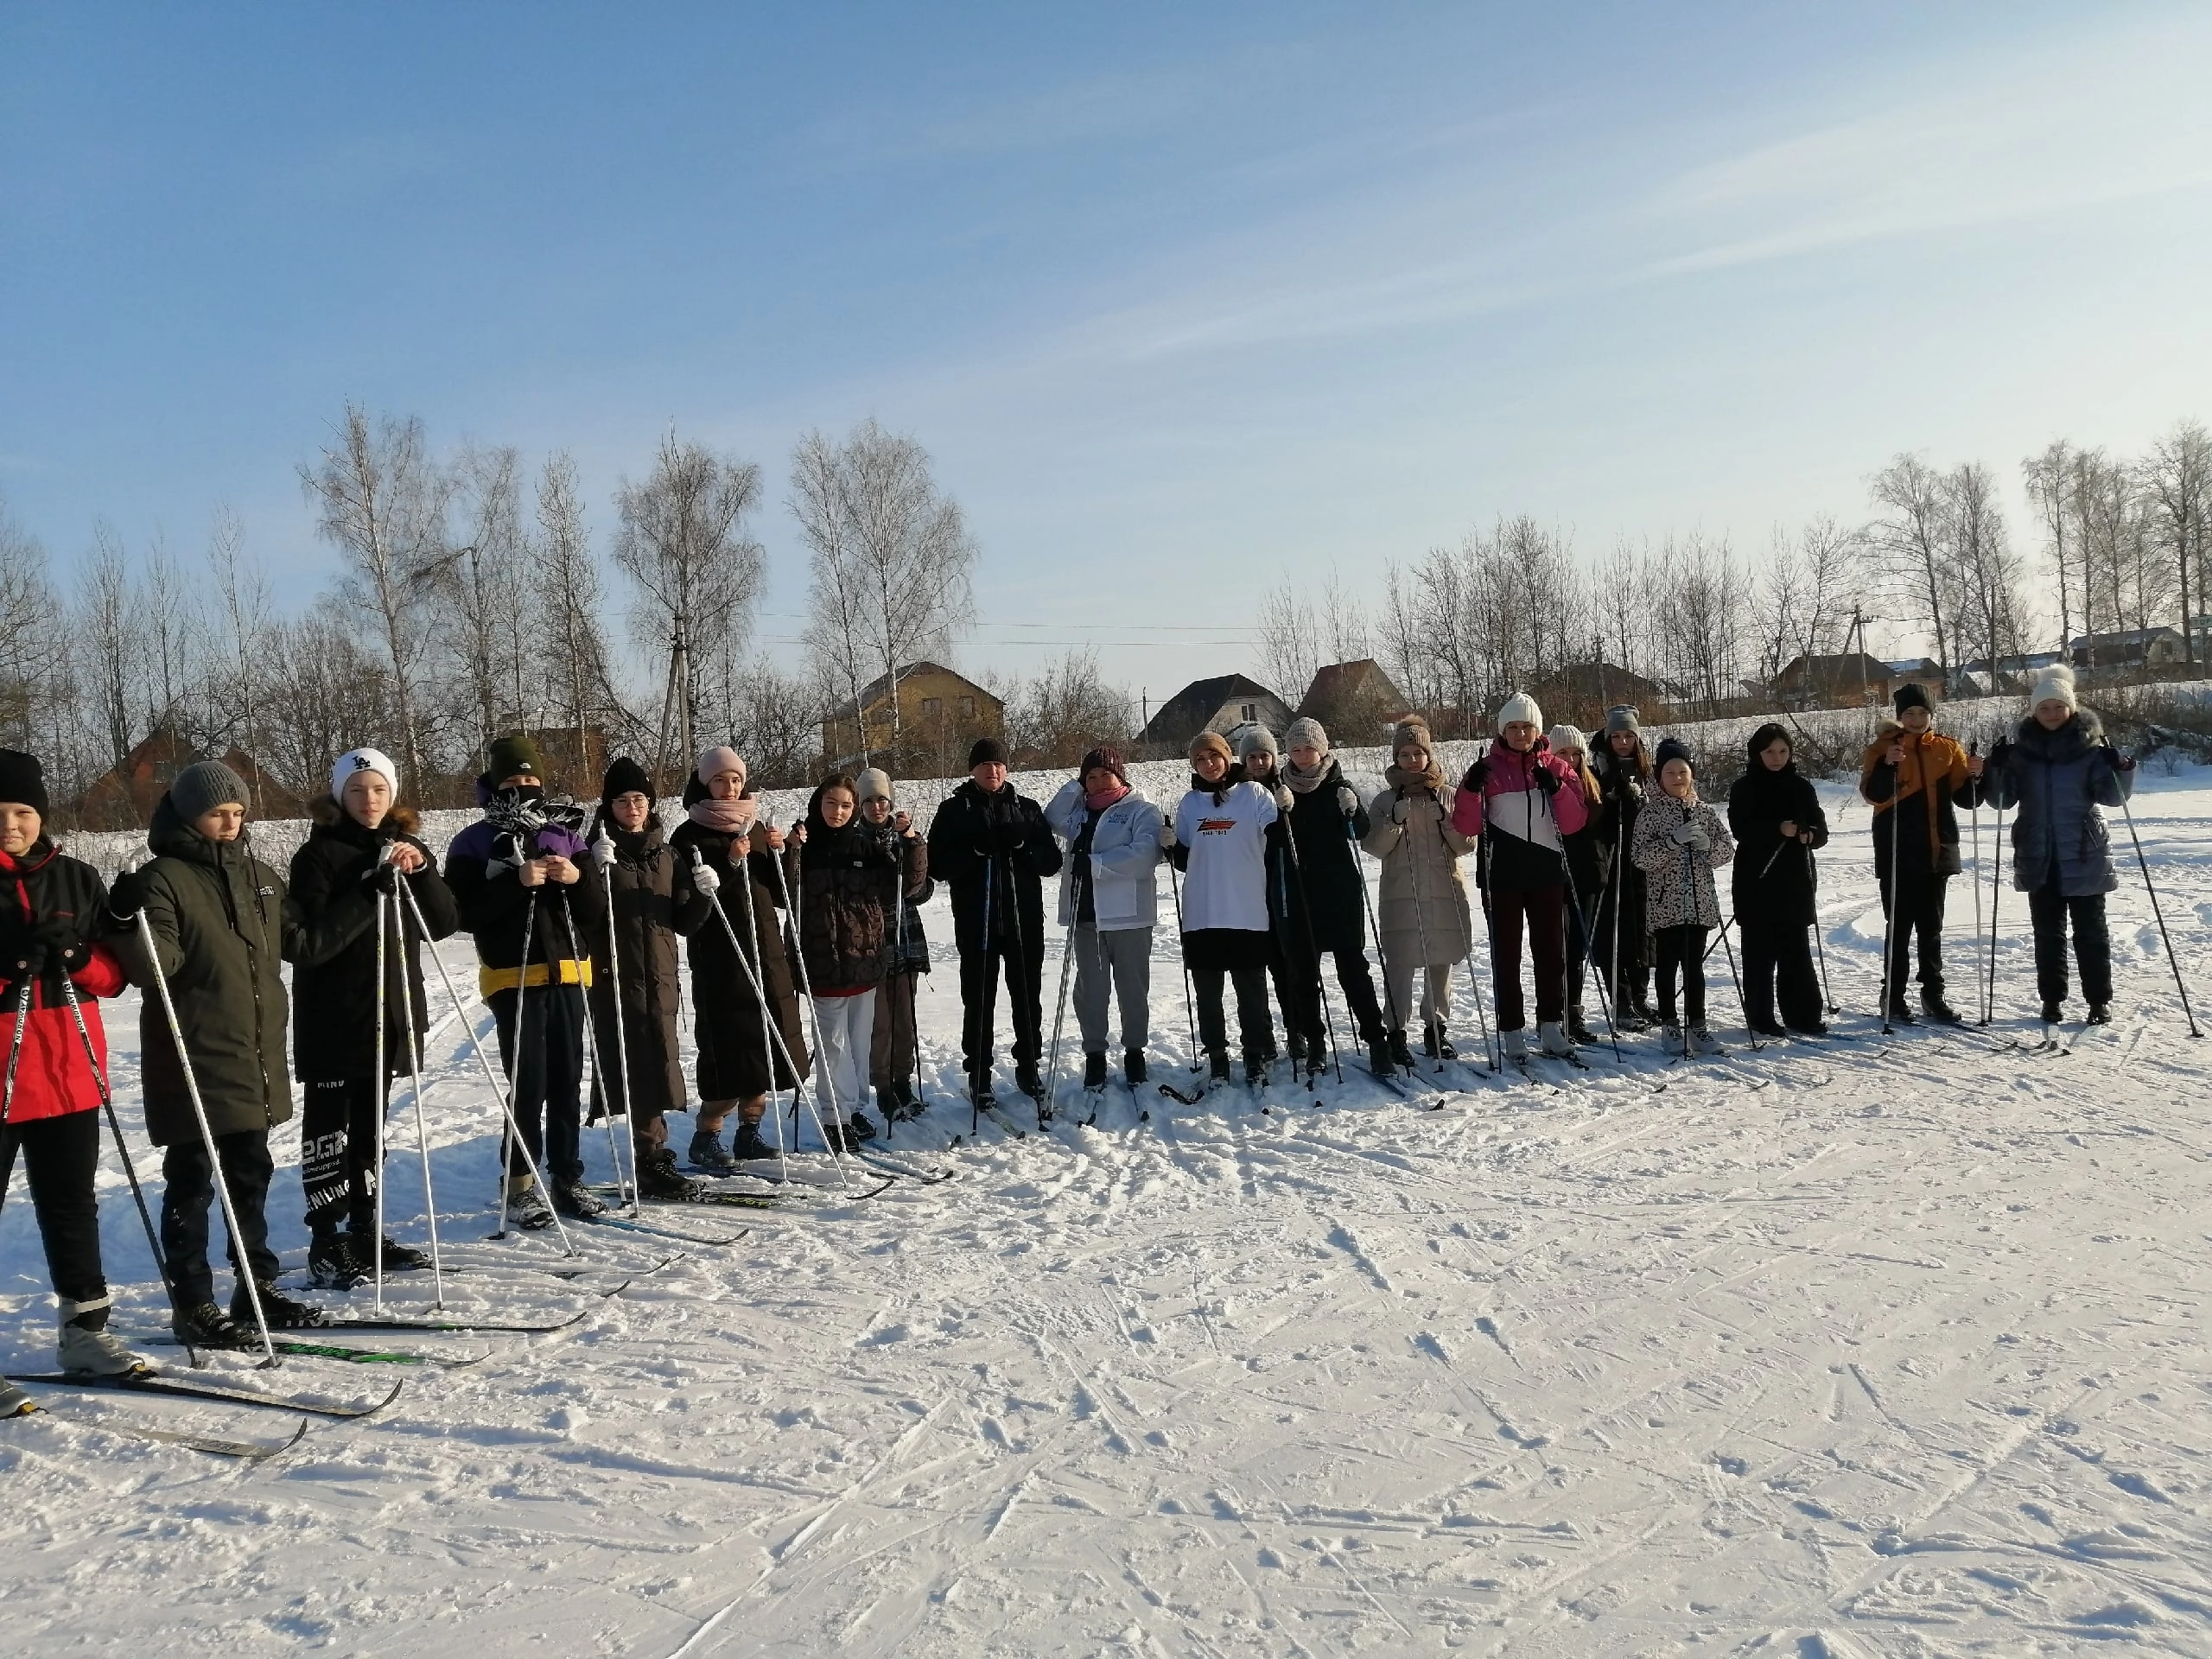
pixel 516 752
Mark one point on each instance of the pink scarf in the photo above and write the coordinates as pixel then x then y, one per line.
pixel 1105 798
pixel 730 817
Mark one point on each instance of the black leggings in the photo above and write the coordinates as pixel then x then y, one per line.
pixel 60 1155
pixel 2050 910
pixel 1682 951
pixel 1254 1024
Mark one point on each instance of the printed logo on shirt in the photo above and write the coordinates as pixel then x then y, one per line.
pixel 1216 826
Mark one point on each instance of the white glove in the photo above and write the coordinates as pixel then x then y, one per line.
pixel 1347 802
pixel 602 850
pixel 1699 841
pixel 1167 834
pixel 1685 834
pixel 1283 801
pixel 1398 810
pixel 705 882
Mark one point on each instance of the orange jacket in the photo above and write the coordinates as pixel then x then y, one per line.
pixel 1935 769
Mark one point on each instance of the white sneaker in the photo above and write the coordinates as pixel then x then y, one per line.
pixel 1670 1037
pixel 1551 1037
pixel 95 1353
pixel 1516 1044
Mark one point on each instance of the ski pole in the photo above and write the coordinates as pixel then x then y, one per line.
pixel 415 1081
pixel 514 1061
pixel 740 871
pixel 244 1263
pixel 621 1018
pixel 1022 994
pixel 979 1023
pixel 1190 1008
pixel 16 1047
pixel 1490 926
pixel 380 1086
pixel 1890 913
pixel 511 1130
pixel 1819 942
pixel 1313 945
pixel 122 1150
pixel 1432 1022
pixel 828 1090
pixel 627 1188
pixel 1589 944
pixel 1980 966
pixel 2144 864
pixel 1742 1006
pixel 1046 1112
pixel 1382 962
pixel 1996 898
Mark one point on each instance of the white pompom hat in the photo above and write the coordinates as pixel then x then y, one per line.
pixel 2054 684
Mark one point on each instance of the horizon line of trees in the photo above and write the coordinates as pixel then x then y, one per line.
pixel 471 596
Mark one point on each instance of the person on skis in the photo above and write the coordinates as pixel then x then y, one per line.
pixel 1220 832
pixel 1679 841
pixel 362 843
pixel 222 927
pixel 1423 917
pixel 895 1042
pixel 1328 911
pixel 51 925
pixel 1583 886
pixel 635 993
pixel 1776 817
pixel 744 1008
pixel 1623 768
pixel 1297 992
pixel 845 876
pixel 2060 770
pixel 521 881
pixel 1110 895
pixel 1521 802
pixel 1914 775
pixel 990 844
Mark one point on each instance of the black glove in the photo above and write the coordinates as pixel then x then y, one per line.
pixel 50 946
pixel 126 896
pixel 1471 779
pixel 2000 755
pixel 2119 762
pixel 1547 781
pixel 1631 790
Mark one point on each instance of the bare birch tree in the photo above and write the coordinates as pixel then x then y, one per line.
pixel 2049 478
pixel 2176 480
pixel 1909 543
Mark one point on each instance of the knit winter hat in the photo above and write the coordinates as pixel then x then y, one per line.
pixel 2054 684
pixel 721 758
pixel 1567 737
pixel 1412 729
pixel 986 751
pixel 1210 742
pixel 1104 755
pixel 624 777
pixel 363 759
pixel 23 780
pixel 203 787
pixel 875 785
pixel 1520 706
pixel 1257 740
pixel 1911 694
pixel 1673 748
pixel 1308 732
pixel 511 755
pixel 1621 718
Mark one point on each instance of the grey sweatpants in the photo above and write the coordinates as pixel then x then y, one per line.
pixel 1119 960
pixel 1436 989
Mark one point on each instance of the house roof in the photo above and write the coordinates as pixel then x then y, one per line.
pixel 2125 637
pixel 1843 664
pixel 1334 680
pixel 1196 702
pixel 879 688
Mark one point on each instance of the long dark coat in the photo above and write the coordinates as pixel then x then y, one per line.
pixel 734 1046
pixel 654 903
pixel 1772 878
pixel 334 981
pixel 846 881
pixel 1328 862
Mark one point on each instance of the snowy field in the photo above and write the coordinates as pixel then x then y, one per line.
pixel 1901 1353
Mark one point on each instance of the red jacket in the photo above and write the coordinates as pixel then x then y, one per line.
pixel 1523 846
pixel 52 1077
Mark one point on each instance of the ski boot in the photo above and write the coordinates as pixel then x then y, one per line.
pixel 331 1264
pixel 576 1201
pixel 1937 1009
pixel 1401 1055
pixel 2099 1014
pixel 707 1153
pixel 1670 1038
pixel 1026 1079
pixel 1380 1060
pixel 1901 1012
pixel 747 1146
pixel 1815 1028
pixel 1255 1069
pixel 1134 1071
pixel 1514 1044
pixel 1773 1028
pixel 1094 1072
pixel 2053 1012
pixel 206 1326
pixel 86 1347
pixel 1434 1044
pixel 281 1311
pixel 1552 1038
pixel 1218 1065
pixel 1703 1041
pixel 1578 1029
pixel 857 1130
pixel 526 1206
pixel 657 1177
pixel 400 1258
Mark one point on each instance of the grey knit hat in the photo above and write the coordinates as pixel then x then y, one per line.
pixel 1307 731
pixel 875 785
pixel 203 787
pixel 1621 718
pixel 1257 740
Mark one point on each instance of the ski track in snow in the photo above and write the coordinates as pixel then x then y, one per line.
pixel 1902 1355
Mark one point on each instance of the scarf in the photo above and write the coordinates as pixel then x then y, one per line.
pixel 1431 780
pixel 1219 792
pixel 1105 798
pixel 1304 783
pixel 730 817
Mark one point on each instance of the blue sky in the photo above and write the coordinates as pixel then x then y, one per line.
pixel 1184 300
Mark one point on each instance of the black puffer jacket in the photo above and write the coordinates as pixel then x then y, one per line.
pixel 847 880
pixel 734 1045
pixel 1772 878
pixel 1621 791
pixel 1005 834
pixel 654 905
pixel 333 1017
pixel 223 929
pixel 1328 863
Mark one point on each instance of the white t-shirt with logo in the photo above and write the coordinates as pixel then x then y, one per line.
pixel 1227 885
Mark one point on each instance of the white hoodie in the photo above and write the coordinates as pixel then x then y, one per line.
pixel 1228 881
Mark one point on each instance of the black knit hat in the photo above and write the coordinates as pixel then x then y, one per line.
pixel 1912 694
pixel 23 780
pixel 1673 748
pixel 624 777
pixel 988 751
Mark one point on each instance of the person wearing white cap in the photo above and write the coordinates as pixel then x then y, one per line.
pixel 1568 743
pixel 362 843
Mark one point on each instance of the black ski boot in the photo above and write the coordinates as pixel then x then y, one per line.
pixel 1094 1071
pixel 1936 1008
pixel 576 1201
pixel 1026 1079
pixel 206 1326
pixel 1218 1065
pixel 1434 1044
pixel 657 1177
pixel 1379 1059
pixel 281 1311
pixel 1132 1067
pixel 1578 1028
pixel 1400 1056
pixel 1901 1012
pixel 332 1264
pixel 745 1145
pixel 859 1130
pixel 1255 1069
pixel 2053 1012
pixel 397 1257
pixel 2099 1014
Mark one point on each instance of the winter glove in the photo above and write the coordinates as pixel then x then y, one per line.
pixel 704 881
pixel 1283 801
pixel 1688 835
pixel 1633 790
pixel 50 946
pixel 602 849
pixel 126 896
pixel 1547 780
pixel 1399 810
pixel 1699 841
pixel 1472 780
pixel 1347 802
pixel 1167 834
pixel 2119 762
